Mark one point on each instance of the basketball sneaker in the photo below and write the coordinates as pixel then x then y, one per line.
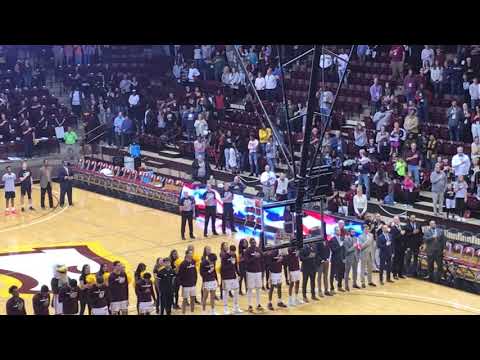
pixel 237 310
pixel 291 301
pixel 226 311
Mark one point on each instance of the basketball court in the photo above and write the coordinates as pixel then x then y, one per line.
pixel 101 229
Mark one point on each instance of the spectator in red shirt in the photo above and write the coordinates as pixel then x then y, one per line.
pixel 220 104
pixel 397 58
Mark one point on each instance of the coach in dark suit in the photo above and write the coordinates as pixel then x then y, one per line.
pixel 399 248
pixel 307 257
pixel 414 236
pixel 65 176
pixel 384 243
pixel 434 239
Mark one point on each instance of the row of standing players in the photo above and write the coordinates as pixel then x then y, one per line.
pixel 339 256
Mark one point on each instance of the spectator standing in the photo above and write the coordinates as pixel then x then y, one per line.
pixel 410 85
pixel 382 118
pixel 474 91
pixel 410 123
pixel 337 269
pixel 270 153
pixel 268 179
pixel 28 136
pixel 475 154
pixel 381 180
pixel 375 96
pixel 461 163
pixel 460 187
pixel 436 77
pixel 193 73
pixel 118 125
pixel 199 147
pixel 413 159
pixel 434 245
pixel 454 115
pixel 342 62
pixel 384 243
pixel 352 254
pixel 201 126
pixel 427 56
pixel 270 85
pixel 253 155
pixel 264 134
pixel 282 188
pixel 260 85
pixel 360 203
pixel 360 135
pixel 397 58
pixel 476 124
pixel 363 166
pixel 408 186
pixel 127 131
pixel 361 53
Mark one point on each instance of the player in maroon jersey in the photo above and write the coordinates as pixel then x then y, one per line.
pixel 187 278
pixel 253 261
pixel 274 259
pixel 15 305
pixel 69 296
pixel 118 288
pixel 41 301
pixel 293 264
pixel 98 297
pixel 229 272
pixel 145 294
pixel 209 277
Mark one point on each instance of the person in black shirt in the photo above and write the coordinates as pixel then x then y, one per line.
pixel 41 301
pixel 28 136
pixel 175 263
pixel 187 211
pixel 210 210
pixel 69 296
pixel 26 181
pixel 84 286
pixel 137 277
pixel 307 256
pixel 15 305
pixel 166 284
pixel 156 268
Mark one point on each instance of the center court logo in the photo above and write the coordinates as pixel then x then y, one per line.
pixel 34 268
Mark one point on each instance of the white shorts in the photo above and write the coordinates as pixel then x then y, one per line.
pixel 100 311
pixel 450 203
pixel 117 306
pixel 231 284
pixel 188 292
pixel 295 275
pixel 254 280
pixel 276 278
pixel 145 307
pixel 210 285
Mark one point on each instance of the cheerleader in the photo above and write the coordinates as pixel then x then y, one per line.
pixel 118 289
pixel 84 286
pixel 98 297
pixel 229 274
pixel 145 294
pixel 137 276
pixel 209 278
pixel 242 246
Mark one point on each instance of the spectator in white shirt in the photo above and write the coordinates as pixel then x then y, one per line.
pixel 125 85
pixel 360 203
pixel 474 90
pixel 436 75
pixel 197 56
pixel 475 149
pixel 227 76
pixel 268 179
pixel 427 56
pixel 235 79
pixel 342 62
pixel 201 126
pixel 260 85
pixel 133 99
pixel 253 155
pixel 270 85
pixel 282 188
pixel 193 73
pixel 461 163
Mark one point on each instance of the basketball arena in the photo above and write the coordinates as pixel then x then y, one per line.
pixel 289 180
